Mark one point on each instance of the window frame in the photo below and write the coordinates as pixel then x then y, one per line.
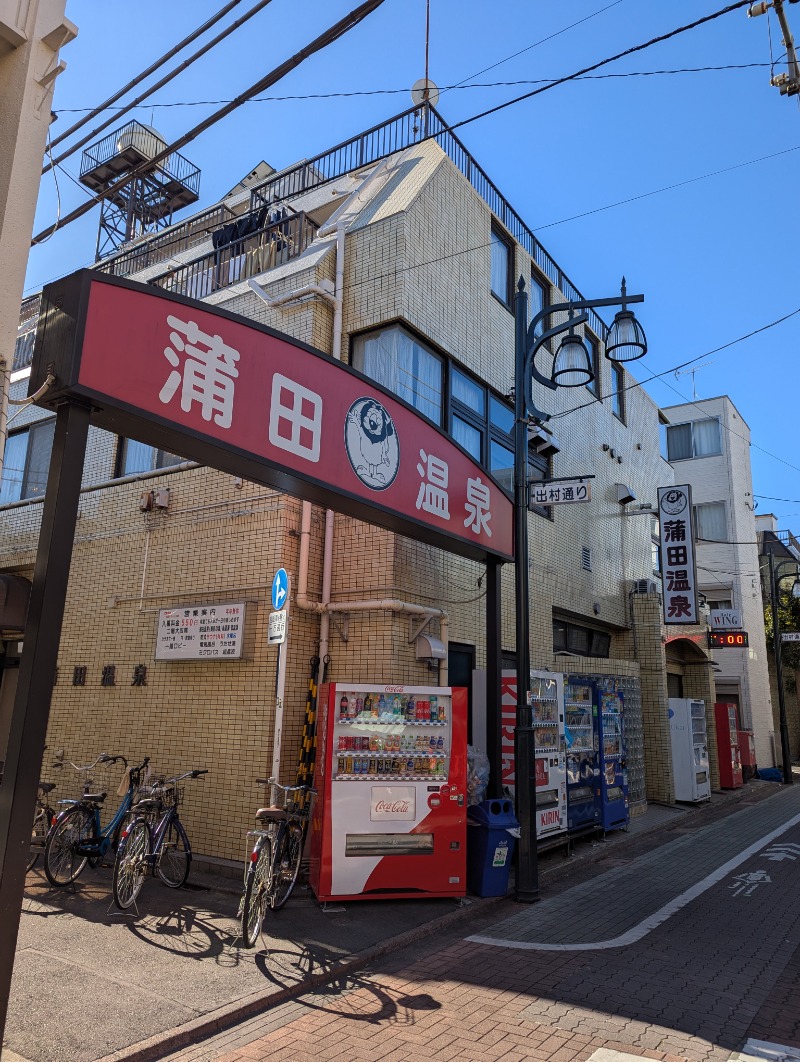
pixel 593 346
pixel 697 517
pixel 29 430
pixel 594 639
pixel 499 236
pixel 542 282
pixel 618 391
pixel 155 468
pixel 423 343
pixel 690 424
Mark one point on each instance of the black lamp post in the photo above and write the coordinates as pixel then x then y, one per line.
pixel 775 576
pixel 625 341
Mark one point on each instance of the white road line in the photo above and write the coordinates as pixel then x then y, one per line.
pixel 632 936
pixel 758 1050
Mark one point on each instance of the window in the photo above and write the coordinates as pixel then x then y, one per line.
pixel 501 267
pixel 402 364
pixel 710 523
pixel 26 461
pixel 484 425
pixel 137 457
pixel 655 544
pixel 540 300
pixel 577 640
pixel 593 348
pixel 699 438
pixel 618 390
pixel 719 602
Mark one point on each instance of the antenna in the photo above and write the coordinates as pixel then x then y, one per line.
pixel 691 372
pixel 423 90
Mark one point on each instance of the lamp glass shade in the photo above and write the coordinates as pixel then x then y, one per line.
pixel 796 588
pixel 626 339
pixel 571 365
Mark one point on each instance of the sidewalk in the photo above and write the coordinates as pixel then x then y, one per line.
pixel 174 973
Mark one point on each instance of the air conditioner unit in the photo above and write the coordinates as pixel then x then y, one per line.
pixel 645 586
pixel 544 442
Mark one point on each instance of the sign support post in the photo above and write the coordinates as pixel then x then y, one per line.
pixel 31 710
pixel 281 589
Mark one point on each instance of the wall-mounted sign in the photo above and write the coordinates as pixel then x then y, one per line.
pixel 728 640
pixel 677 554
pixel 725 619
pixel 230 393
pixel 201 632
pixel 276 632
pixel 561 493
pixel 791 636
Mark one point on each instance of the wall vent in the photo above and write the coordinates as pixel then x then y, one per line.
pixel 586 558
pixel 645 586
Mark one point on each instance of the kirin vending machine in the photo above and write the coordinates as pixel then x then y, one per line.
pixel 581 731
pixel 390 817
pixel 690 770
pixel 613 765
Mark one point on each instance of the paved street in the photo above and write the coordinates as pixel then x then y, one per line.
pixel 689 952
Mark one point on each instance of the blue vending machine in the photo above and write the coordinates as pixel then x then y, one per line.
pixel 584 811
pixel 613 768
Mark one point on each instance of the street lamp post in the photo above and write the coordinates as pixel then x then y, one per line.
pixel 625 341
pixel 775 576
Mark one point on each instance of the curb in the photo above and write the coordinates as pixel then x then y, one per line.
pixel 248 1006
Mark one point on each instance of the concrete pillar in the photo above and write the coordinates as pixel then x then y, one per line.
pixel 31 34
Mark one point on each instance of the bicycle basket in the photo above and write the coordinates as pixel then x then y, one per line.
pixel 173 796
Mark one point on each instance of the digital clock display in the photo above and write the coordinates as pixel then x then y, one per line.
pixel 728 640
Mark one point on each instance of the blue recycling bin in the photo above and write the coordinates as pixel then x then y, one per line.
pixel 490 847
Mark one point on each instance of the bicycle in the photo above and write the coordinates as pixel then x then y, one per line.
pixel 43 817
pixel 154 841
pixel 76 837
pixel 275 859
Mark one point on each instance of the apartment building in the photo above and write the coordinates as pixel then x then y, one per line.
pixel 395 252
pixel 708 444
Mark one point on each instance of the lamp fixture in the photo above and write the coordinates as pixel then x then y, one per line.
pixel 625 340
pixel 796 588
pixel 571 366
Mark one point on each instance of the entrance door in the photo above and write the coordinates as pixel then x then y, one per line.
pixel 460 664
pixel 9 671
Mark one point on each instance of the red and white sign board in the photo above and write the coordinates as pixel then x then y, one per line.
pixel 228 392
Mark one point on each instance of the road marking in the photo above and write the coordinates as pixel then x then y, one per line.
pixel 605 1054
pixel 757 1050
pixel 633 936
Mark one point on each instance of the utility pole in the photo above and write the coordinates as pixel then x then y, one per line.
pixel 31 35
pixel 789 81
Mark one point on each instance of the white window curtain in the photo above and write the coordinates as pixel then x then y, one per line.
pixel 706 437
pixel 395 360
pixel 679 442
pixel 710 522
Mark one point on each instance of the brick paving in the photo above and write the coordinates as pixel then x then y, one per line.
pixel 721 969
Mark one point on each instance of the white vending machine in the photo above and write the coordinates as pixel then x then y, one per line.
pixel 547 701
pixel 687 728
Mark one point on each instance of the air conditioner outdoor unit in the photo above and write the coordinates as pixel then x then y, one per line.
pixel 645 586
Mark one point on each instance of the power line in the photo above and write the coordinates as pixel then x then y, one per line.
pixel 164 80
pixel 342 27
pixel 446 88
pixel 333 33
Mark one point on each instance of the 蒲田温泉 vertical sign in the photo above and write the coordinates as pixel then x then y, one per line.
pixel 677 554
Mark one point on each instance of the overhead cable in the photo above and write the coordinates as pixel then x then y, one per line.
pixel 118 112
pixel 146 73
pixel 339 29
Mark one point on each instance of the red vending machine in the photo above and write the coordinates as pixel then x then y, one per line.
pixel 730 764
pixel 747 754
pixel 390 817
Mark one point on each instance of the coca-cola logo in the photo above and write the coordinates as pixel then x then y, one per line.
pixel 393 689
pixel 393 807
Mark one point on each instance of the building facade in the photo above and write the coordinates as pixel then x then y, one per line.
pixel 403 265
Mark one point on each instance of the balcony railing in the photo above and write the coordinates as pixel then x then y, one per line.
pixel 129 146
pixel 162 248
pixel 263 249
pixel 413 127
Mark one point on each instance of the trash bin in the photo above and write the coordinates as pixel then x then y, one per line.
pixel 490 846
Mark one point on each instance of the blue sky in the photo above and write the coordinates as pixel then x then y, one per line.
pixel 713 256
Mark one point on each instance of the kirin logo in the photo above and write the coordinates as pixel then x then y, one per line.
pixel 370 438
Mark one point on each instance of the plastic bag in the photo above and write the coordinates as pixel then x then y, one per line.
pixel 477 775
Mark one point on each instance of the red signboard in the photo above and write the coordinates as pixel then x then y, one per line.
pixel 220 388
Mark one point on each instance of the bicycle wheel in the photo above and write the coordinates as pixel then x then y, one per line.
pixel 255 892
pixel 62 862
pixel 175 857
pixel 285 864
pixel 131 864
pixel 41 824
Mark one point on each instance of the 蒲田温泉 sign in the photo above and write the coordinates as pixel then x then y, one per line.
pixel 677 554
pixel 223 390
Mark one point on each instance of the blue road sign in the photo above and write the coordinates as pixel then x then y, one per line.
pixel 280 589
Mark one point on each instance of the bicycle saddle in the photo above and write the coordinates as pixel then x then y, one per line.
pixel 47 787
pixel 271 813
pixel 94 798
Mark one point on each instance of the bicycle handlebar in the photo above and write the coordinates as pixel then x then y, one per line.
pixel 187 774
pixel 102 758
pixel 285 788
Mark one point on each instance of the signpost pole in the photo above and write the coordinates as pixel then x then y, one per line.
pixel 280 691
pixel 494 665
pixel 31 710
pixel 786 748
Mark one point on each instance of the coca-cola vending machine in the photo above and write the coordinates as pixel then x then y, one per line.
pixel 390 817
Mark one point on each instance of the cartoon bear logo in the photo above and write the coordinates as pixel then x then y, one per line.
pixel 371 442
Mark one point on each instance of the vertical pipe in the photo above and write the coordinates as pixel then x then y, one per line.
pixel 37 668
pixel 786 754
pixel 494 666
pixel 527 883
